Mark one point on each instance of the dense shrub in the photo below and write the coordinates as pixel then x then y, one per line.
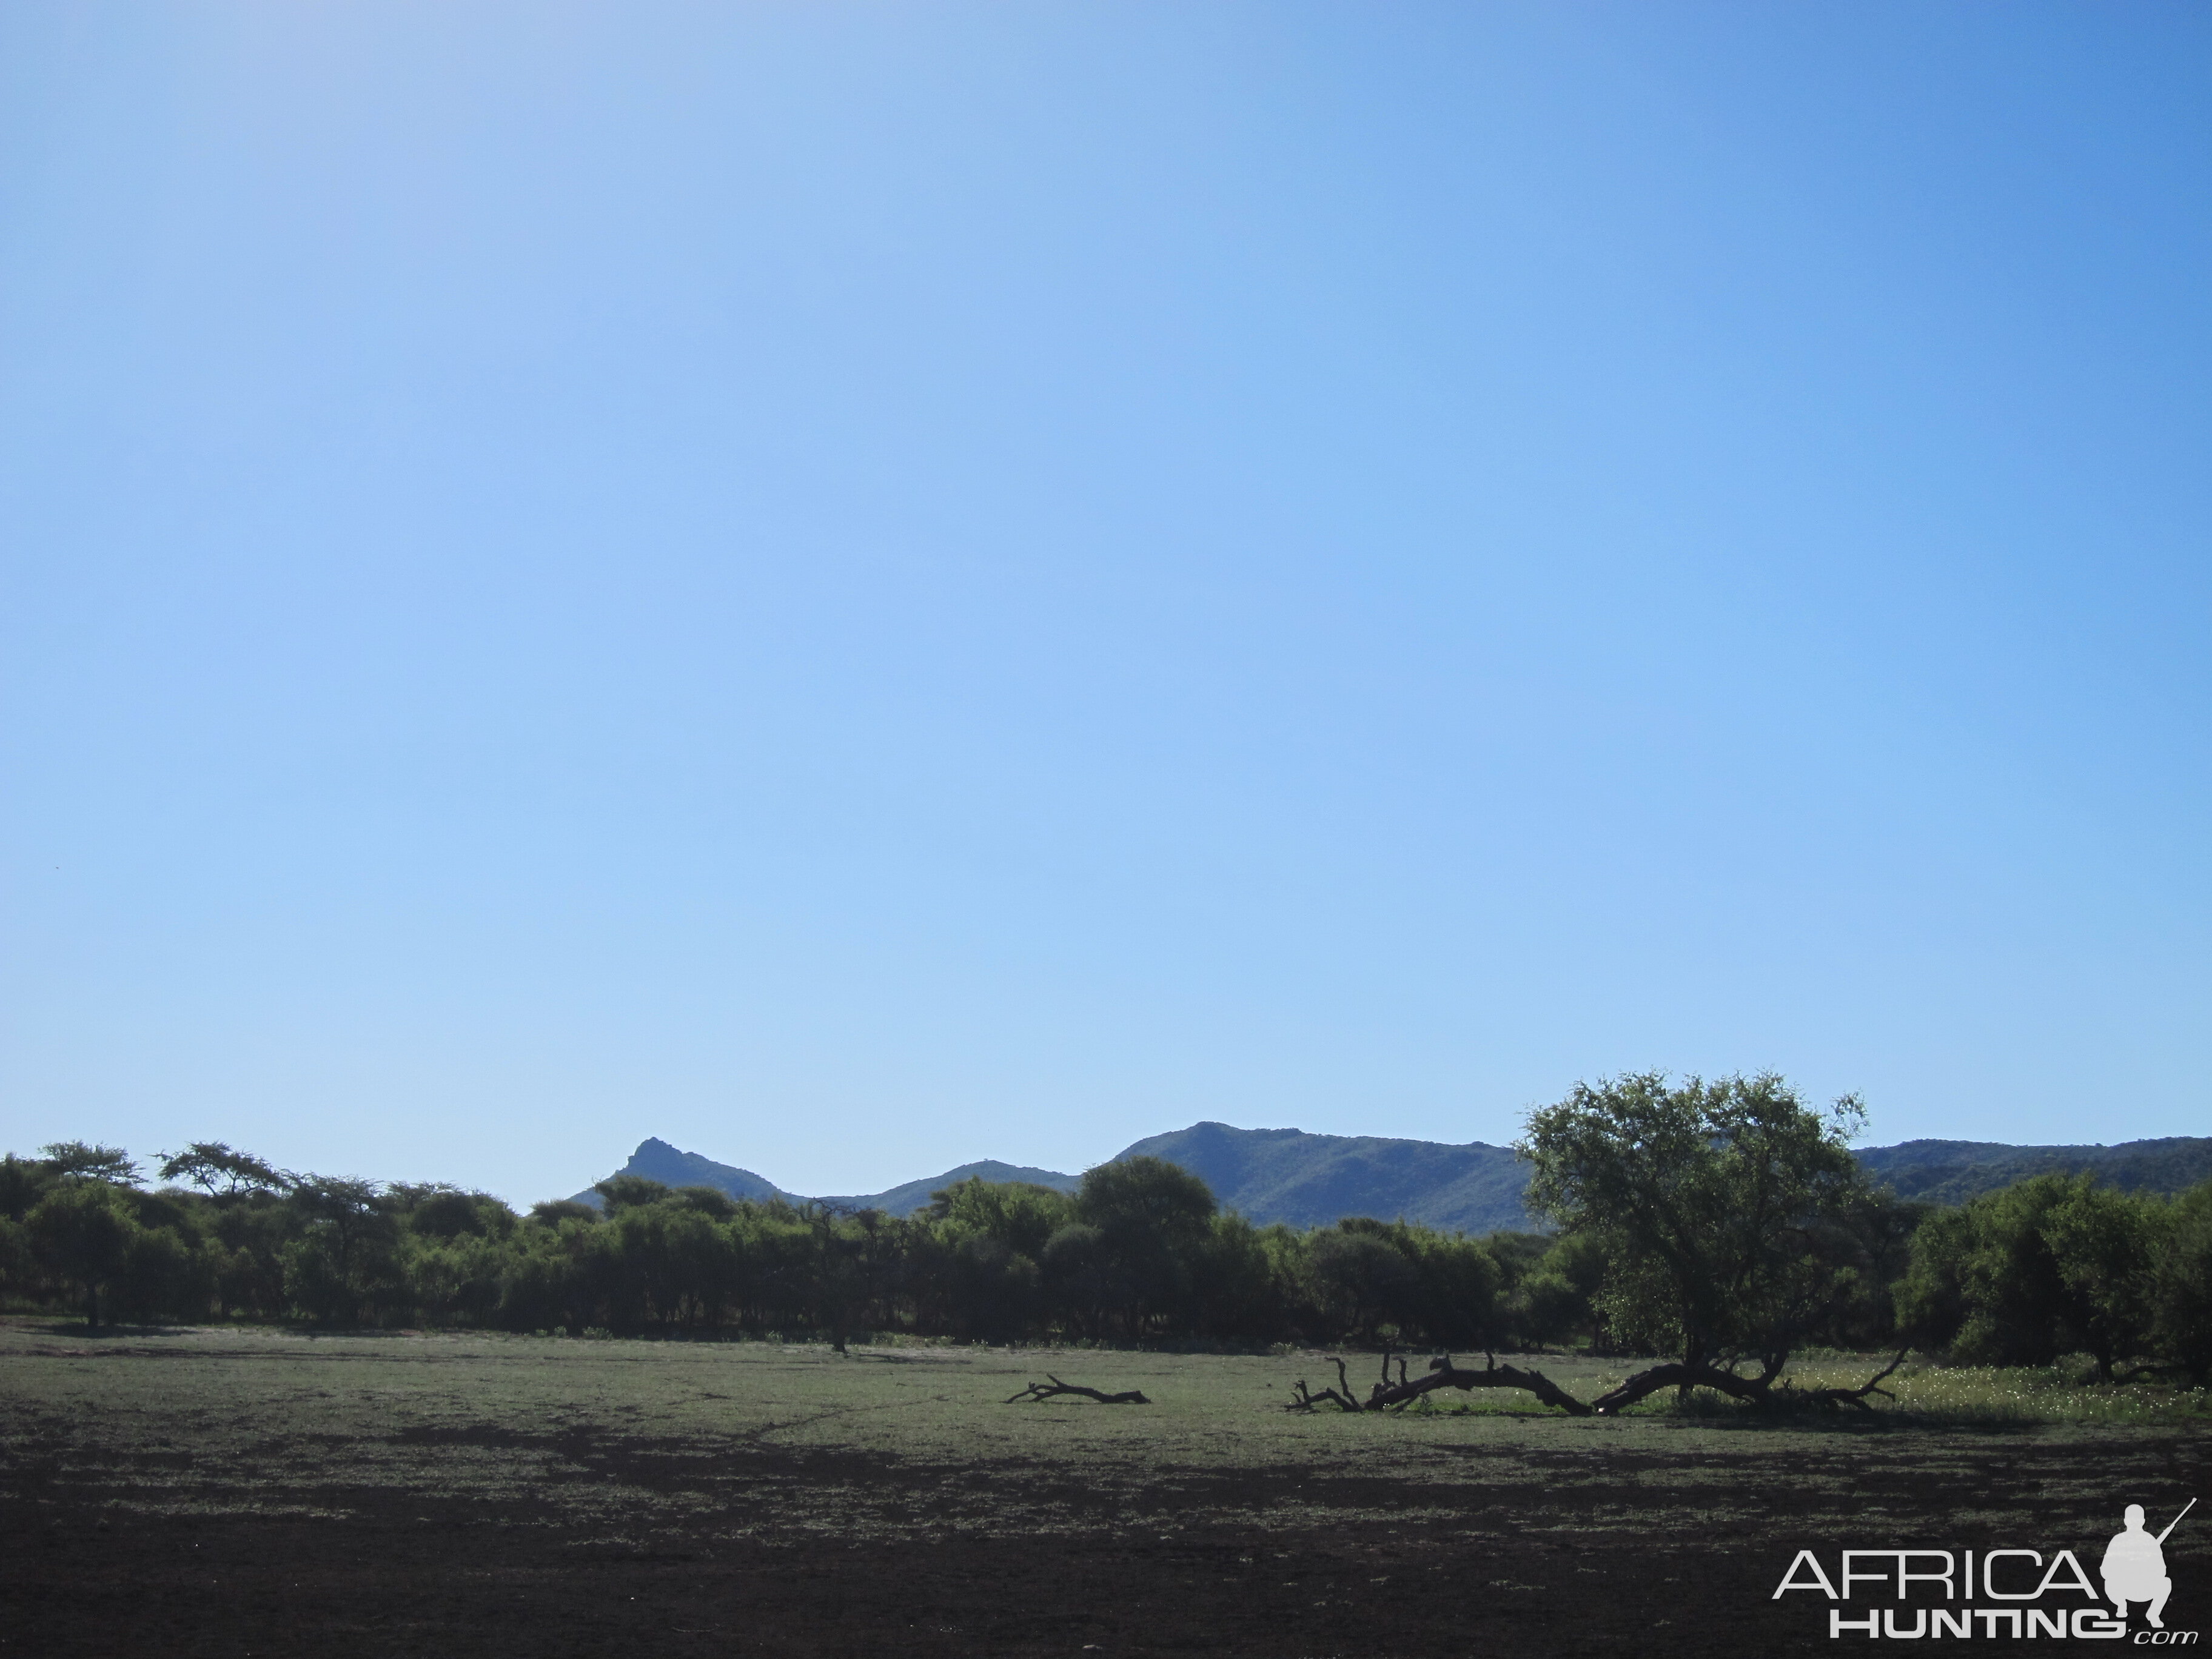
pixel 2055 1265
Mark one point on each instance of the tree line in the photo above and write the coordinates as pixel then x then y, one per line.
pixel 1724 1225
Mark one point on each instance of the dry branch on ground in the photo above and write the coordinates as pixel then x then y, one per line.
pixel 1389 1395
pixel 1760 1391
pixel 1052 1388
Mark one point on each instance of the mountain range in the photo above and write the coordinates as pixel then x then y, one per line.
pixel 1309 1180
pixel 1953 1171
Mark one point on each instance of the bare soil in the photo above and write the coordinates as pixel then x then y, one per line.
pixel 1525 1568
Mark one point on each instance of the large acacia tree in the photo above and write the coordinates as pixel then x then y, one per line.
pixel 1724 1210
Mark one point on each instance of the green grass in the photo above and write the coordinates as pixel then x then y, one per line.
pixel 2051 1395
pixel 619 1438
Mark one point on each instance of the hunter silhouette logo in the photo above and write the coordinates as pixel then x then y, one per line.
pixel 2018 1581
pixel 2135 1565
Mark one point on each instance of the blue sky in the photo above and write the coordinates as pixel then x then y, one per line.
pixel 862 586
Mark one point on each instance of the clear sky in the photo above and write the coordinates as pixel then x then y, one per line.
pixel 863 587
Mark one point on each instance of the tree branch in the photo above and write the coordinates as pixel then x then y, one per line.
pixel 1753 1390
pixel 1052 1388
pixel 1442 1374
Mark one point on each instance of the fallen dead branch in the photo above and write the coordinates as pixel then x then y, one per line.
pixel 1760 1391
pixel 1052 1388
pixel 1396 1395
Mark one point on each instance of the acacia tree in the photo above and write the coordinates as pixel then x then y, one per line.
pixel 1709 1202
pixel 345 1257
pixel 222 1171
pixel 81 1160
pixel 80 1227
pixel 83 1233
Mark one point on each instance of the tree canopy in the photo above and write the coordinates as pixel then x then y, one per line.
pixel 1717 1206
pixel 222 1172
pixel 1715 1226
pixel 83 1161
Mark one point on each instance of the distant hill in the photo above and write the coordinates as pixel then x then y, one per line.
pixel 656 1160
pixel 1953 1171
pixel 1309 1180
pixel 914 1195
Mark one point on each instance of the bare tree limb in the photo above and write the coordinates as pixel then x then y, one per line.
pixel 1758 1390
pixel 1858 1396
pixel 1303 1399
pixel 1387 1395
pixel 1052 1388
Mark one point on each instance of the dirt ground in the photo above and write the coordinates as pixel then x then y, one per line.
pixel 155 1507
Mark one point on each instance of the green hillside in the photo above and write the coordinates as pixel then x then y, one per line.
pixel 1311 1180
pixel 656 1160
pixel 914 1194
pixel 1953 1171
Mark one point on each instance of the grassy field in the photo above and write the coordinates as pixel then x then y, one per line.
pixel 429 1493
